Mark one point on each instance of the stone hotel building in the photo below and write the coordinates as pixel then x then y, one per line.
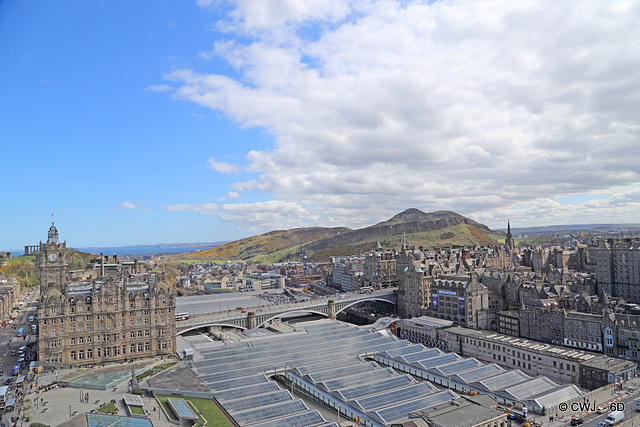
pixel 108 319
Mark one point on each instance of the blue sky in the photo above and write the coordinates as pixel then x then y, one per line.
pixel 200 121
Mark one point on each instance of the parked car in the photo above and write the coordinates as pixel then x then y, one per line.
pixel 576 421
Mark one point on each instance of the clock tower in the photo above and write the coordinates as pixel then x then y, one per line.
pixel 52 263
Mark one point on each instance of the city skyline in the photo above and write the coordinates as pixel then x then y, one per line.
pixel 211 120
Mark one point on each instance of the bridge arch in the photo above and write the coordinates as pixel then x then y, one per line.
pixel 206 325
pixel 299 310
pixel 363 300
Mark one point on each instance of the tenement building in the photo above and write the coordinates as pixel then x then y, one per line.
pixel 380 268
pixel 618 267
pixel 123 315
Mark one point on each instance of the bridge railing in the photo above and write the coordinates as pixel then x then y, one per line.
pixel 275 309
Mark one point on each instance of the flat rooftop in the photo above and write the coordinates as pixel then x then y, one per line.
pixel 524 344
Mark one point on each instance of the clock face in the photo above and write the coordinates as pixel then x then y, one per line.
pixel 53 257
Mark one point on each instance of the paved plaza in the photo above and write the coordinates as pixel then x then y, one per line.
pixel 64 406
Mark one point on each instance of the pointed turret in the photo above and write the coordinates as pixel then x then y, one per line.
pixel 509 243
pixel 603 298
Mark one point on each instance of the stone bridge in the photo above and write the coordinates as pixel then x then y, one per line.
pixel 256 318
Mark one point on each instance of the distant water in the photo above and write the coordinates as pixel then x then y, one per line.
pixel 135 250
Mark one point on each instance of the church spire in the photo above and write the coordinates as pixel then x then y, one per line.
pixel 509 240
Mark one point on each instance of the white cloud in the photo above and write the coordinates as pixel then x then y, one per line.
pixel 616 208
pixel 253 217
pixel 488 108
pixel 269 215
pixel 253 15
pixel 221 166
pixel 132 206
pixel 203 208
pixel 205 3
pixel 158 88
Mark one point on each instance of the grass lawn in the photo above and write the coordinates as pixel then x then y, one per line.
pixel 22 260
pixel 144 375
pixel 211 415
pixel 165 365
pixel 167 408
pixel 109 407
pixel 136 410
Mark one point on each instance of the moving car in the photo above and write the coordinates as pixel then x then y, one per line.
pixel 576 421
pixel 602 409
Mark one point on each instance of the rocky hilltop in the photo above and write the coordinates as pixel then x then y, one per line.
pixel 416 227
pixel 410 222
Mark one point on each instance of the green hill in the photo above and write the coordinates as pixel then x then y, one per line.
pixel 416 227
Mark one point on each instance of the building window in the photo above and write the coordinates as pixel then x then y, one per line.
pixel 73 355
pixel 89 353
pixel 132 348
pixel 73 341
pixel 81 340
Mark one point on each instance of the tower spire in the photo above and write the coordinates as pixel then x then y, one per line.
pixel 509 240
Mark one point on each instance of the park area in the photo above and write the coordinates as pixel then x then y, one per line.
pixel 208 413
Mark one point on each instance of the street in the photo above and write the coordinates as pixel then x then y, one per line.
pixel 9 341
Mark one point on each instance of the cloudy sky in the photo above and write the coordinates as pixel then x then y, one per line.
pixel 176 121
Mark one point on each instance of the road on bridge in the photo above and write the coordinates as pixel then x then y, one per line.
pixel 221 308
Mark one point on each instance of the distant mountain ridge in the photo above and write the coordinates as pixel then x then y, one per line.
pixel 576 227
pixel 418 228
